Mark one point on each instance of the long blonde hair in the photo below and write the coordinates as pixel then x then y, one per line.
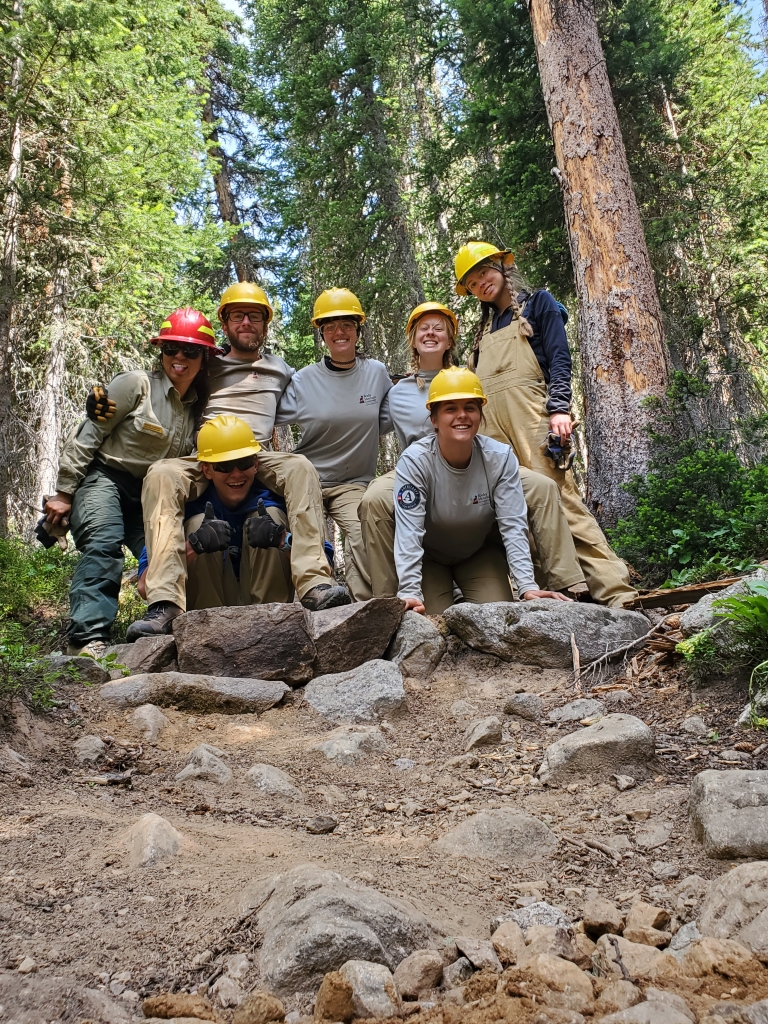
pixel 449 356
pixel 513 280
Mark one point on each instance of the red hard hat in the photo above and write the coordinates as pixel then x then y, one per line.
pixel 188 325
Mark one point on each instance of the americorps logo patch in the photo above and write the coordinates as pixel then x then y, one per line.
pixel 408 496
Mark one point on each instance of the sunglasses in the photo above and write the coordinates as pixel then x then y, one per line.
pixel 254 318
pixel 247 462
pixel 172 348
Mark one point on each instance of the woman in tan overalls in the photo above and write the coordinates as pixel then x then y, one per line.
pixel 525 368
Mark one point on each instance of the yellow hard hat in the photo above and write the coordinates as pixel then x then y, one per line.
pixel 455 382
pixel 245 291
pixel 337 302
pixel 471 254
pixel 431 307
pixel 225 437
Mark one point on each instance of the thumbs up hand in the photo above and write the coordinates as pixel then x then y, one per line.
pixel 212 535
pixel 261 531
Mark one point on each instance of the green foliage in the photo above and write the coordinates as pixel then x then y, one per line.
pixel 748 616
pixel 699 510
pixel 702 656
pixel 22 671
pixel 33 578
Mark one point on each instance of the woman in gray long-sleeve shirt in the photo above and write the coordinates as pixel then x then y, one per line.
pixel 459 508
pixel 341 406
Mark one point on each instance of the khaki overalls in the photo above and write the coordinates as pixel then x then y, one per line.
pixel 516 414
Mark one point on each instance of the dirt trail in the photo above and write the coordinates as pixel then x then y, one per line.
pixel 71 901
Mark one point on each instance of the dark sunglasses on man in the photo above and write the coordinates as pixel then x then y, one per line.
pixel 247 462
pixel 172 348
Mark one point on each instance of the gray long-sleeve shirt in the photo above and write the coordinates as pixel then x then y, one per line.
pixel 408 407
pixel 448 513
pixel 341 414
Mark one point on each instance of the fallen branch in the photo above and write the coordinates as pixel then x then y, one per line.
pixel 618 961
pixel 612 854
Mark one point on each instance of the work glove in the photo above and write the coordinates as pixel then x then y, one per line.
pixel 261 531
pixel 99 407
pixel 212 535
pixel 561 452
pixel 50 534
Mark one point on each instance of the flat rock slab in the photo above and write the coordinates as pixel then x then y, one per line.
pixel 614 743
pixel 366 694
pixel 503 835
pixel 539 632
pixel 417 647
pixel 263 641
pixel 584 707
pixel 736 907
pixel 147 654
pixel 347 637
pixel 203 694
pixel 314 921
pixel 349 744
pixel 729 812
pixel 65 668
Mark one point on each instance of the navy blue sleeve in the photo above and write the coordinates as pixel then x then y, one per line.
pixel 143 562
pixel 550 346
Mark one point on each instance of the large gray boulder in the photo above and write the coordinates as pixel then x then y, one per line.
pixel 314 921
pixel 702 615
pixel 416 647
pixel 202 694
pixel 265 641
pixel 615 743
pixel 366 694
pixel 147 654
pixel 539 632
pixel 503 835
pixel 347 637
pixel 729 812
pixel 736 907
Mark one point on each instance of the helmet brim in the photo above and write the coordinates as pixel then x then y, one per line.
pixel 356 314
pixel 432 312
pixel 184 339
pixel 238 453
pixel 508 258
pixel 454 396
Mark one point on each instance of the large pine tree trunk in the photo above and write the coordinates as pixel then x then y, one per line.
pixel 50 429
pixel 239 246
pixel 623 352
pixel 8 258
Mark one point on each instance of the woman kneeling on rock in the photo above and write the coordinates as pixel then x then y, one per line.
pixel 459 508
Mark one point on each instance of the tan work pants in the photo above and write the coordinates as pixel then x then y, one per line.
pixel 481 578
pixel 170 483
pixel 516 414
pixel 341 503
pixel 265 573
pixel 558 564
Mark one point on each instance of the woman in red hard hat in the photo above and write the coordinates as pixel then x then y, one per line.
pixel 103 464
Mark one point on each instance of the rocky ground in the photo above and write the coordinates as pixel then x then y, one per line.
pixel 165 857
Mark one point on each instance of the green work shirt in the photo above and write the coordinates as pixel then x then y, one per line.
pixel 151 422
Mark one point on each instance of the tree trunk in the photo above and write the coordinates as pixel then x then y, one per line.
pixel 240 249
pixel 623 352
pixel 10 228
pixel 49 431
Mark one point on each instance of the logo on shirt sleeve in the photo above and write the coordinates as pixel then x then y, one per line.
pixel 408 496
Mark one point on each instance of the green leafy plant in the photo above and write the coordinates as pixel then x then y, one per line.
pixel 748 614
pixel 23 673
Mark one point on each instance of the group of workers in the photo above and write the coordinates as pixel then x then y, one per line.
pixel 177 464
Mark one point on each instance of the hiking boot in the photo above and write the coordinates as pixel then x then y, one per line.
pixel 326 595
pixel 94 648
pixel 158 620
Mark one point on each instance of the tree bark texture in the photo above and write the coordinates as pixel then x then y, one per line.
pixel 10 229
pixel 239 245
pixel 623 351
pixel 51 418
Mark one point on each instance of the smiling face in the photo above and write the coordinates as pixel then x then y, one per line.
pixel 181 369
pixel 340 336
pixel 231 487
pixel 432 336
pixel 485 282
pixel 458 420
pixel 246 337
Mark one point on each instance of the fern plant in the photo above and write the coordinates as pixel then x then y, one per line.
pixel 748 613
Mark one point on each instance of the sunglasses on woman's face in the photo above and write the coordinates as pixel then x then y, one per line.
pixel 172 348
pixel 248 462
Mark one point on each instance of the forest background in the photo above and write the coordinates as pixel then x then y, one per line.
pixel 155 150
